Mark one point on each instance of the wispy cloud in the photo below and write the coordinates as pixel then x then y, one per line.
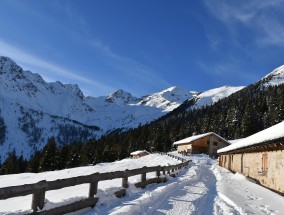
pixel 139 72
pixel 263 19
pixel 51 69
pixel 229 71
pixel 133 71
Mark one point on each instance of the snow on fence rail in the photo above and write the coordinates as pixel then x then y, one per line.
pixel 174 156
pixel 39 189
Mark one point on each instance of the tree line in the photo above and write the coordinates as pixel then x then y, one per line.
pixel 242 114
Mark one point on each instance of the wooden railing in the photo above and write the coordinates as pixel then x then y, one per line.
pixel 176 157
pixel 39 189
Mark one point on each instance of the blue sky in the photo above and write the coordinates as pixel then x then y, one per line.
pixel 144 46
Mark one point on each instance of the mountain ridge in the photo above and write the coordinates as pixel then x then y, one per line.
pixel 38 110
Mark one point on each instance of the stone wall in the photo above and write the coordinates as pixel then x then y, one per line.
pixel 220 144
pixel 254 166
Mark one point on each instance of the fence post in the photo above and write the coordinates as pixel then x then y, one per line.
pixel 143 176
pixel 164 171
pixel 93 188
pixel 125 181
pixel 158 172
pixel 38 198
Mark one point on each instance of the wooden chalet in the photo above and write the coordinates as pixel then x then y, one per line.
pixel 207 143
pixel 259 156
pixel 138 154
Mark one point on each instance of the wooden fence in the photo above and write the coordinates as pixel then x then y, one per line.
pixel 39 189
pixel 176 157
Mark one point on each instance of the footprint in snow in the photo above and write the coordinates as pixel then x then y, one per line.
pixel 252 197
pixel 266 210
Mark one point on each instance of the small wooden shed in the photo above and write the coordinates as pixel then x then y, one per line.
pixel 259 156
pixel 138 154
pixel 207 143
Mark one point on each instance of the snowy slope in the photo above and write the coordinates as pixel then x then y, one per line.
pixel 168 99
pixel 211 96
pixel 32 110
pixel 202 188
pixel 53 197
pixel 276 77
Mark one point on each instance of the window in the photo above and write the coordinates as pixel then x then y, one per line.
pixel 264 162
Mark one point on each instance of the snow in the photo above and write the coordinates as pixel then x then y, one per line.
pixel 106 188
pixel 235 141
pixel 168 99
pixel 138 152
pixel 23 92
pixel 273 133
pixel 196 137
pixel 201 188
pixel 211 96
pixel 276 77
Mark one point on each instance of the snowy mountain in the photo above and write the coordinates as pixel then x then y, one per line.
pixel 32 110
pixel 211 96
pixel 168 99
pixel 276 77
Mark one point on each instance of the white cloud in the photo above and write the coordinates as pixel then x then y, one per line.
pixel 259 18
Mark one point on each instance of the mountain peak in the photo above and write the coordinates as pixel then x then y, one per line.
pixel 75 89
pixel 121 97
pixel 5 59
pixel 276 77
pixel 8 65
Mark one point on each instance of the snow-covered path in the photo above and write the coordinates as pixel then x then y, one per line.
pixel 192 192
pixel 203 188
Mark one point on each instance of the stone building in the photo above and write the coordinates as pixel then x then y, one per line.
pixel 259 156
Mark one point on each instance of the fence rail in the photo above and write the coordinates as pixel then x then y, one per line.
pixel 39 189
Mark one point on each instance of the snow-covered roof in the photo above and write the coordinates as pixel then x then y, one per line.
pixel 235 141
pixel 273 133
pixel 196 137
pixel 138 152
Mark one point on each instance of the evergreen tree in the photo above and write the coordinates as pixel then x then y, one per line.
pixel 73 159
pixel 63 154
pixel 49 160
pixel 34 162
pixel 13 165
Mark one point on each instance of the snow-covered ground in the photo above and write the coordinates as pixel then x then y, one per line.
pixel 202 188
pixel 20 205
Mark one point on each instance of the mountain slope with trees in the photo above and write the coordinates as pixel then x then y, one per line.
pixel 32 110
pixel 245 112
